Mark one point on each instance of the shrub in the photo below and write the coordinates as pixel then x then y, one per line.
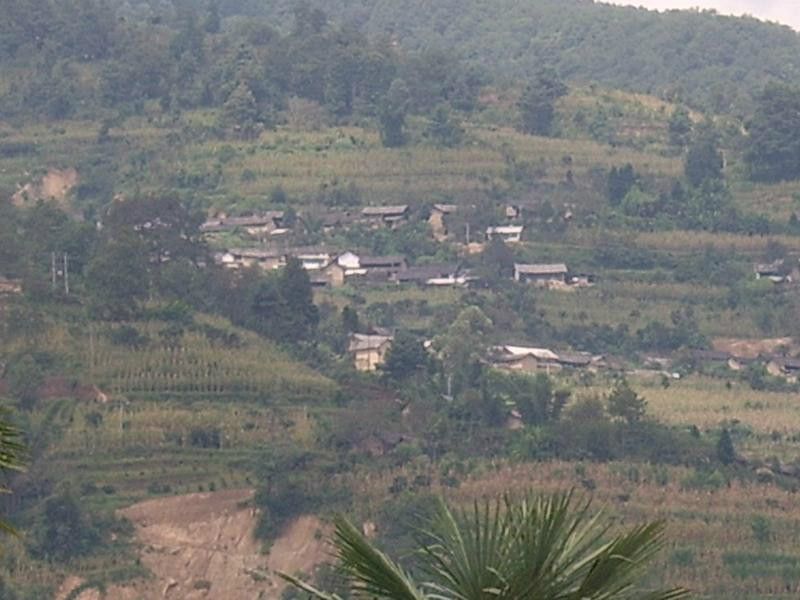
pixel 205 438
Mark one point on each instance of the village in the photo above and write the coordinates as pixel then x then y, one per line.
pixel 269 247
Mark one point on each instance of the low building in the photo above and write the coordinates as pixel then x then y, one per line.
pixel 10 287
pixel 333 275
pixel 433 275
pixel 384 264
pixel 775 271
pixel 312 258
pixel 386 215
pixel 238 258
pixel 541 274
pixel 332 221
pixel 438 220
pixel 255 225
pixel 369 351
pixel 510 234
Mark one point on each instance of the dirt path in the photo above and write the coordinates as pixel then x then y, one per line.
pixel 201 546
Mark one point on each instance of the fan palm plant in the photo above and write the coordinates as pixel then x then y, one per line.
pixel 537 548
pixel 11 455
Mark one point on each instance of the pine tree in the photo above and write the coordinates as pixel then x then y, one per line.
pixel 704 159
pixel 626 404
pixel 240 112
pixel 392 114
pixel 537 104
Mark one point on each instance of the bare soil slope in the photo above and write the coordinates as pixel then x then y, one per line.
pixel 201 546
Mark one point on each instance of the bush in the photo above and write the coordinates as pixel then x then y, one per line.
pixel 61 531
pixel 205 438
pixel 128 336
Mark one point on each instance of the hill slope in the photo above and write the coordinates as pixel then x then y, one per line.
pixel 707 58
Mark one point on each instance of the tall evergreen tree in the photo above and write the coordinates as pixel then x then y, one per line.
pixel 240 112
pixel 295 287
pixel 726 453
pixel 537 104
pixel 704 159
pixel 392 114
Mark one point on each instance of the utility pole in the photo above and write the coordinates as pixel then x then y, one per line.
pixel 53 270
pixel 467 236
pixel 66 274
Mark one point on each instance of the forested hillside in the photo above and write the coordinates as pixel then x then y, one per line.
pixel 710 60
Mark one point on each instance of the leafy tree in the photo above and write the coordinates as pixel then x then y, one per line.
pixel 726 453
pixel 61 531
pixel 117 279
pixel 25 376
pixel 443 129
pixel 350 320
pixel 539 547
pixel 406 357
pixel 680 127
pixel 295 287
pixel 626 404
pixel 704 160
pixel 497 262
pixel 463 345
pixel 537 104
pixel 392 114
pixel 537 399
pixel 240 112
pixel 619 183
pixel 774 135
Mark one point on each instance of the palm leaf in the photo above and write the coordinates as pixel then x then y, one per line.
pixel 12 456
pixel 372 574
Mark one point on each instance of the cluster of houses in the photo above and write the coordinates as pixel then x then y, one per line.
pixel 525 359
pixel 328 268
pixel 776 365
pixel 273 224
pixel 369 352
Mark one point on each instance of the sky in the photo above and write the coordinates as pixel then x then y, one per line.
pixel 783 11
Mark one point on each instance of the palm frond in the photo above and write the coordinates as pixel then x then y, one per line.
pixel 309 589
pixel 372 573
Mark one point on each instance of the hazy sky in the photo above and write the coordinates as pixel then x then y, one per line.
pixel 783 11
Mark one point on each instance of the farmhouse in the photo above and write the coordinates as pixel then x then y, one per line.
pixel 10 287
pixel 541 274
pixel 333 220
pixel 533 360
pixel 332 275
pixel 434 275
pixel 508 233
pixel 438 219
pixel 369 351
pixel 386 215
pixel 384 264
pixel 255 225
pixel 525 359
pixel 774 271
pixel 312 258
pixel 238 258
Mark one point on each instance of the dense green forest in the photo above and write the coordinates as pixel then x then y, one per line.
pixel 709 60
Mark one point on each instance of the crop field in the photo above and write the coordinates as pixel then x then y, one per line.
pixel 724 540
